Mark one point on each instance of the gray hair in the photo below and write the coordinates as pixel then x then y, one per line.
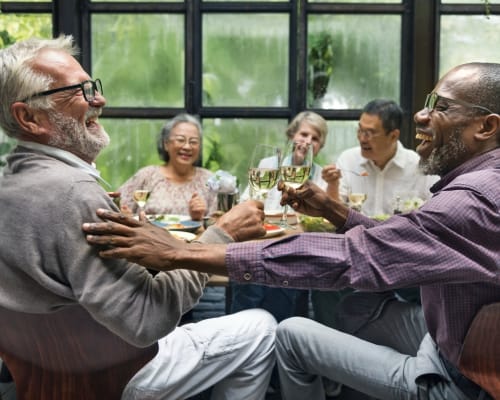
pixel 18 79
pixel 167 129
pixel 313 119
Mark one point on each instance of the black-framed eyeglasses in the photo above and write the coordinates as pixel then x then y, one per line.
pixel 88 88
pixel 433 98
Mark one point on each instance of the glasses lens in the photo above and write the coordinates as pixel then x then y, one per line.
pixel 431 100
pixel 98 86
pixel 90 87
pixel 88 90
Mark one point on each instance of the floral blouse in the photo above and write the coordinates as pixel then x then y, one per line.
pixel 167 197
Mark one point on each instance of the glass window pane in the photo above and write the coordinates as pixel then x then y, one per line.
pixel 16 27
pixel 133 145
pixel 341 136
pixel 470 1
pixel 248 1
pixel 366 60
pixel 139 58
pixel 245 59
pixel 354 1
pixel 136 1
pixel 228 143
pixel 468 38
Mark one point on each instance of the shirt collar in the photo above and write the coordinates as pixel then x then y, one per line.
pixel 66 157
pixel 490 159
pixel 398 159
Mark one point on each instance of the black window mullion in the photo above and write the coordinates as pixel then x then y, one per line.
pixel 298 57
pixel 406 72
pixel 193 66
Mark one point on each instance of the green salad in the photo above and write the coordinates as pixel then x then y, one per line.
pixel 315 224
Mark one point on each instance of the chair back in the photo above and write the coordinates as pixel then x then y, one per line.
pixel 480 356
pixel 67 355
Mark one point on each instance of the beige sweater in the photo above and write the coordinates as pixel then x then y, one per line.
pixel 46 263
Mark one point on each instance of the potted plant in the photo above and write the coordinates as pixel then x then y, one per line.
pixel 320 63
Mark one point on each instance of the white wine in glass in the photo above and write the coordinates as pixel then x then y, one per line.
pixel 141 197
pixel 295 169
pixel 262 180
pixel 356 200
pixel 263 172
pixel 294 176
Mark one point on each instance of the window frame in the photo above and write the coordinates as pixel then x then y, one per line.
pixel 419 49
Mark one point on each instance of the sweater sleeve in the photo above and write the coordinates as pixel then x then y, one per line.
pixel 125 297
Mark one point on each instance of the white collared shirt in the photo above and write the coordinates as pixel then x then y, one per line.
pixel 400 177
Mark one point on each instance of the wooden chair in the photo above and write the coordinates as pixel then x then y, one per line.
pixel 480 356
pixel 67 355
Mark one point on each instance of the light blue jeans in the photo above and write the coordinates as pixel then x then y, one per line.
pixel 233 353
pixel 308 351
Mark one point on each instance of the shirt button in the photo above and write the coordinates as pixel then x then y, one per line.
pixel 285 283
pixel 247 276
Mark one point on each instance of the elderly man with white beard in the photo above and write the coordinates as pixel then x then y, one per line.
pixel 50 105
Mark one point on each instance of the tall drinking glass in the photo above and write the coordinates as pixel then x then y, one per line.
pixel 295 170
pixel 141 197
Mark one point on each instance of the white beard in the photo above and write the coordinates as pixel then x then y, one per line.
pixel 72 136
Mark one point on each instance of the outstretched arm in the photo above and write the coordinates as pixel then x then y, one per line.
pixel 153 247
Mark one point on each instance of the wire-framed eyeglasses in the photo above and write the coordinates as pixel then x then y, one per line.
pixel 88 88
pixel 368 133
pixel 180 140
pixel 433 98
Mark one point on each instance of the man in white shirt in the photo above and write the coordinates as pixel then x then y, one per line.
pixel 381 167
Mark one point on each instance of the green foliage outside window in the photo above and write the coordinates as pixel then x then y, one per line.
pixel 12 29
pixel 320 60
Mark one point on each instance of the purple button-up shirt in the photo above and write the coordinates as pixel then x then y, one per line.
pixel 450 247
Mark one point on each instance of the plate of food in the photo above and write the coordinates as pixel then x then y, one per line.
pixel 186 225
pixel 166 219
pixel 182 235
pixel 273 230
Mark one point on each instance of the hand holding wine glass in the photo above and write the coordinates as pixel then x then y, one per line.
pixel 141 196
pixel 263 171
pixel 295 169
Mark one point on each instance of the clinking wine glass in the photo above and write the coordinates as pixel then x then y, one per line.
pixel 141 197
pixel 295 170
pixel 263 171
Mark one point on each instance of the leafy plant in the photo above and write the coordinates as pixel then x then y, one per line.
pixel 320 63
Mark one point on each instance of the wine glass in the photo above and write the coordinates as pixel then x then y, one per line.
pixel 295 170
pixel 356 193
pixel 356 200
pixel 263 171
pixel 141 196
